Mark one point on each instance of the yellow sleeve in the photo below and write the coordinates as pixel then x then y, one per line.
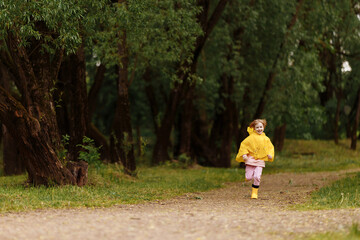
pixel 244 149
pixel 271 150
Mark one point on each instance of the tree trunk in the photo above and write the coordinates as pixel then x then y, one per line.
pixel 241 133
pixel 356 122
pixel 160 153
pixel 35 143
pixel 207 26
pixel 186 124
pixel 203 151
pixel 75 112
pixel 121 136
pixel 33 124
pixel 95 88
pixel 245 118
pixel 138 141
pixel 12 158
pixel 222 131
pixel 93 131
pixel 279 137
pixel 348 127
pixel 337 119
pixel 227 116
pixel 149 90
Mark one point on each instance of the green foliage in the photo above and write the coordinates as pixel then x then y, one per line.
pixel 127 144
pixel 294 98
pixel 109 186
pixel 144 142
pixel 183 161
pixel 90 153
pixel 57 24
pixel 62 153
pixel 159 35
pixel 157 32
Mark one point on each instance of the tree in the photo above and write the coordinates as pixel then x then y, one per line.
pixel 122 137
pixel 272 74
pixel 247 49
pixel 35 38
pixel 184 89
pixel 71 98
pixel 336 48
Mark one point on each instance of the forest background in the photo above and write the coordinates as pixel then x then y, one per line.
pixel 179 78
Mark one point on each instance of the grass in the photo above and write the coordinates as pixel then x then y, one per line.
pixel 320 155
pixel 314 156
pixel 352 234
pixel 344 193
pixel 110 187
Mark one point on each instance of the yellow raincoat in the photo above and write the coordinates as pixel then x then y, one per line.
pixel 257 146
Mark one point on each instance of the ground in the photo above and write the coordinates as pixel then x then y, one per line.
pixel 226 213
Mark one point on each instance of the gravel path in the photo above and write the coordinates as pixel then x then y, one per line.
pixel 227 213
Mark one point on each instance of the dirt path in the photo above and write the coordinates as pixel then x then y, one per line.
pixel 227 213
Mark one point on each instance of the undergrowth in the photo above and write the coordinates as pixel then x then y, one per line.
pixel 109 186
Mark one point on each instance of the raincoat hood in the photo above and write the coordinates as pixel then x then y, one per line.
pixel 252 131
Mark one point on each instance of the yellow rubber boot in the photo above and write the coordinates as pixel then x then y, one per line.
pixel 254 193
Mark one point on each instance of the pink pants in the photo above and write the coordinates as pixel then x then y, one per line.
pixel 253 172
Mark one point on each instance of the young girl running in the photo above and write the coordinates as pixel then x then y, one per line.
pixel 255 150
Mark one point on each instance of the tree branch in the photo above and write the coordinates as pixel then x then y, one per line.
pixel 208 27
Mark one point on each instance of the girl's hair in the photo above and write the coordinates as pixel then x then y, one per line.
pixel 256 121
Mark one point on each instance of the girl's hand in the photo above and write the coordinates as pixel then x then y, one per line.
pixel 245 157
pixel 269 156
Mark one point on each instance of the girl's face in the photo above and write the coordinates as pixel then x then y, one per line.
pixel 259 128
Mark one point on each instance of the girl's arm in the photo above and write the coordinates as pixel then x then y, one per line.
pixel 271 152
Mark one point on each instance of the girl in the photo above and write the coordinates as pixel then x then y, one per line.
pixel 254 151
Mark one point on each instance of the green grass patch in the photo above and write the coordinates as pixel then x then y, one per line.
pixel 352 234
pixel 313 156
pixel 109 187
pixel 321 155
pixel 344 193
